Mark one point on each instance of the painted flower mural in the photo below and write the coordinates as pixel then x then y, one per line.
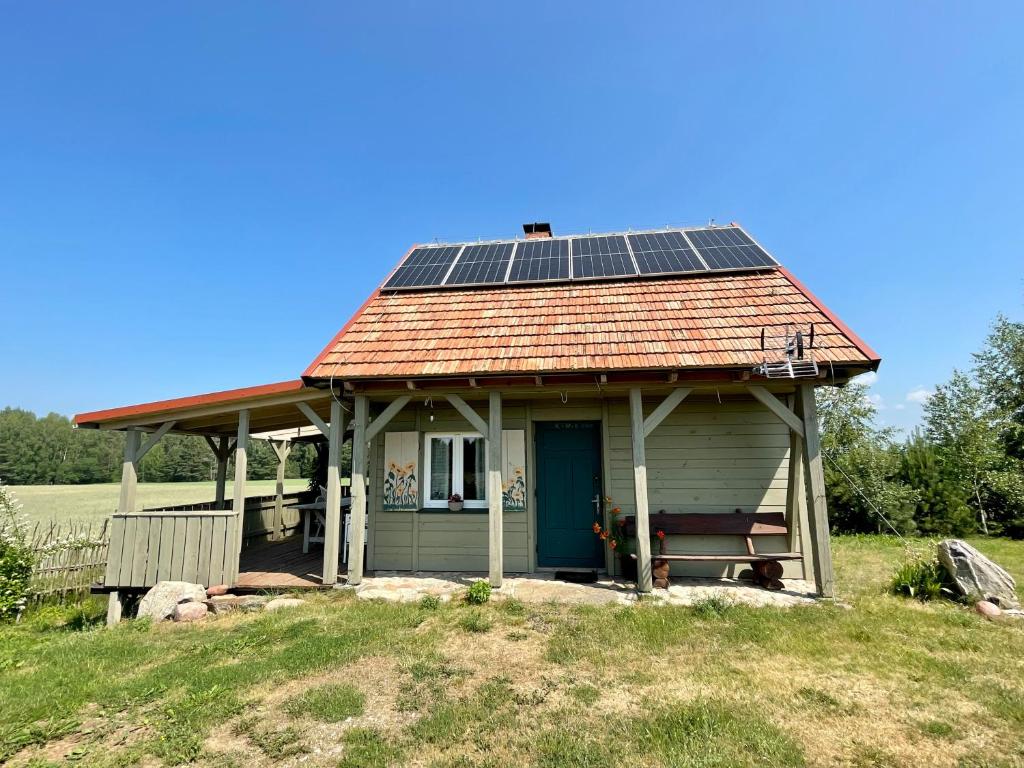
pixel 401 489
pixel 513 493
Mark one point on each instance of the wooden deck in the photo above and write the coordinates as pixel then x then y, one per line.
pixel 281 565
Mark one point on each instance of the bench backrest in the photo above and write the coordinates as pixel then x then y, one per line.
pixel 723 524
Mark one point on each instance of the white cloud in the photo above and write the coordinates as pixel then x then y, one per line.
pixel 899 407
pixel 875 400
pixel 867 379
pixel 919 395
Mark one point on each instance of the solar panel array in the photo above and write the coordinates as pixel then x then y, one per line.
pixel 593 257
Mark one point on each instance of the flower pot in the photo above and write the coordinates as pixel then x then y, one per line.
pixel 659 573
pixel 455 506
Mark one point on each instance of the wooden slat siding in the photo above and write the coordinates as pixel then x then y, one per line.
pixel 231 555
pixel 113 571
pixel 163 565
pixel 153 549
pixel 193 535
pixel 178 549
pixel 140 552
pixel 217 543
pixel 128 551
pixel 460 541
pixel 203 554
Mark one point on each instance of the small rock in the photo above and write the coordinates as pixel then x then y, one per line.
pixel 217 590
pixel 190 612
pixel 283 602
pixel 987 609
pixel 975 575
pixel 160 601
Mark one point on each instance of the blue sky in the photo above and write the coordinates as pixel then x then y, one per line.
pixel 197 196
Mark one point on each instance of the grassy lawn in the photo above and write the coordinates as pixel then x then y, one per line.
pixel 92 503
pixel 876 681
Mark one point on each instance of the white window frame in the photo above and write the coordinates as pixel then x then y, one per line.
pixel 457 471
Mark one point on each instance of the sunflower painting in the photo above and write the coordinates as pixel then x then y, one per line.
pixel 401 485
pixel 513 493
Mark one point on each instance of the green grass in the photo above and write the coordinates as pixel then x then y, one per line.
pixel 878 680
pixel 330 703
pixel 94 503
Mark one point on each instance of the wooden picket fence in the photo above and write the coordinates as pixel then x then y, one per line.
pixel 70 558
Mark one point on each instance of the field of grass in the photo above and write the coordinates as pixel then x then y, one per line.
pixel 872 681
pixel 92 503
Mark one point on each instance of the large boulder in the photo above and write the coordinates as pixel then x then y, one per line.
pixel 159 603
pixel 975 575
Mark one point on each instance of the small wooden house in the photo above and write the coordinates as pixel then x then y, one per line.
pixel 535 379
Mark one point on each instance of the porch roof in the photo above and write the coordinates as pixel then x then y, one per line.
pixel 272 407
pixel 682 323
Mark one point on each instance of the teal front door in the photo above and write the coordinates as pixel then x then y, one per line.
pixel 568 481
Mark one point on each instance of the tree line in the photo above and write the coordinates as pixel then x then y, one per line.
pixel 961 472
pixel 47 450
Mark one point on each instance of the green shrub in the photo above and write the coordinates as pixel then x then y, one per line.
pixel 479 592
pixel 712 607
pixel 918 576
pixel 430 602
pixel 16 557
pixel 474 621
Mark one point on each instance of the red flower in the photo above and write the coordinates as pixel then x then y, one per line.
pixel 604 535
pixel 660 535
pixel 616 510
pixel 597 527
pixel 612 543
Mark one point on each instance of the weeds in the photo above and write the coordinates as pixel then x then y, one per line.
pixel 918 576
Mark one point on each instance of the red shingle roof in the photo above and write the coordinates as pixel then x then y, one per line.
pixel 707 321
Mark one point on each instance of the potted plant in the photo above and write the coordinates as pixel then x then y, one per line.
pixel 618 542
pixel 455 503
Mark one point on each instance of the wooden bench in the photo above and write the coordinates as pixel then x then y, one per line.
pixel 767 566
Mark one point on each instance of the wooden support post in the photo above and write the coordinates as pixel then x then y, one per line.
pixel 495 461
pixel 644 581
pixel 281 450
pixel 332 508
pixel 817 515
pixel 223 452
pixel 129 472
pixel 796 506
pixel 358 514
pixel 241 471
pixel 114 608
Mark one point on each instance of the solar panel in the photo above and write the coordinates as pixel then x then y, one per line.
pixel 664 252
pixel 604 256
pixel 424 267
pixel 481 264
pixel 544 259
pixel 728 248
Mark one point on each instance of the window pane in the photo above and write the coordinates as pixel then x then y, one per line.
pixel 440 468
pixel 474 480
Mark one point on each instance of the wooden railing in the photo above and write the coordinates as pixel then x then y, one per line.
pixel 191 542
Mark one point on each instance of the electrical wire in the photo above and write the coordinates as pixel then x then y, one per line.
pixel 856 487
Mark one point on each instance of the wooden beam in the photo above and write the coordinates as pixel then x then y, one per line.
pixel 114 608
pixel 410 384
pixel 358 512
pixel 238 500
pixel 538 380
pixel 817 514
pixel 773 404
pixel 129 472
pixel 673 377
pixel 386 416
pixel 314 419
pixel 222 472
pixel 659 414
pixel 472 383
pixel 644 582
pixel 332 506
pixel 281 449
pixel 796 505
pixel 468 414
pixel 495 462
pixel 154 438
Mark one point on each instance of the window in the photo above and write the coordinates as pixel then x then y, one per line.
pixel 456 463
